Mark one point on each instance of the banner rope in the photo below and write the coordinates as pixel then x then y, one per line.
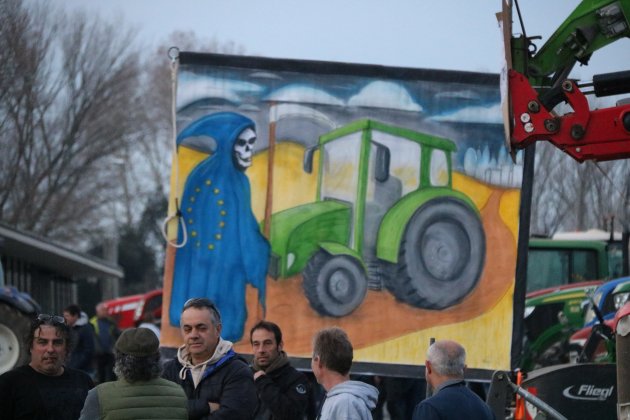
pixel 173 54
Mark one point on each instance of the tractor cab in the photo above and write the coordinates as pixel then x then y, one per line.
pixel 384 215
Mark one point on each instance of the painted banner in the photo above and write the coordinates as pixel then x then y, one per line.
pixel 378 199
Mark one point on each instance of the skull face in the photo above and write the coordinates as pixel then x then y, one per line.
pixel 244 149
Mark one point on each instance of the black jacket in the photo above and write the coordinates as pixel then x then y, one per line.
pixel 282 394
pixel 26 394
pixel 231 384
pixel 83 348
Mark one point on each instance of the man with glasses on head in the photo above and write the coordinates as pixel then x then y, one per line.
pixel 218 383
pixel 45 388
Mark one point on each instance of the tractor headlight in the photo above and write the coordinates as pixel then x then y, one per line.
pixel 621 299
pixel 529 310
pixel 290 259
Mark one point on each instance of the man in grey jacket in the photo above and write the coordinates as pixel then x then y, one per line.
pixel 331 363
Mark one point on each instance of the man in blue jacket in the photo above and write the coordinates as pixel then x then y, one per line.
pixel 219 384
pixel 445 365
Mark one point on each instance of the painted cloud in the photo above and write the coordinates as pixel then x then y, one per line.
pixel 382 94
pixel 304 94
pixel 209 87
pixel 474 114
pixel 460 94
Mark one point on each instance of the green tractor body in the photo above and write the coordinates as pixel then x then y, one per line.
pixel 385 214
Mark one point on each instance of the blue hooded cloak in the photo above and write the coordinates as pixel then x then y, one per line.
pixel 225 248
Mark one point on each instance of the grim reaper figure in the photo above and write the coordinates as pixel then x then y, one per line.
pixel 225 248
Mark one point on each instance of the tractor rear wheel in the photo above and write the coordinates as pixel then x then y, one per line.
pixel 14 326
pixel 335 285
pixel 441 255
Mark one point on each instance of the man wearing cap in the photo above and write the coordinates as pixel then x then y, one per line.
pixel 139 391
pixel 219 383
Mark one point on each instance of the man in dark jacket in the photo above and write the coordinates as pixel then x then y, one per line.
pixel 218 383
pixel 282 390
pixel 445 365
pixel 82 339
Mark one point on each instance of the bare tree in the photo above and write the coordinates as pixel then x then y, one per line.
pixel 572 196
pixel 68 112
pixel 150 158
pixel 569 195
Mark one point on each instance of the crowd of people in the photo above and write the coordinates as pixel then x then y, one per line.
pixel 82 369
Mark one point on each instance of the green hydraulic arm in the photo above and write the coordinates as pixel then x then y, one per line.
pixel 537 80
pixel 593 25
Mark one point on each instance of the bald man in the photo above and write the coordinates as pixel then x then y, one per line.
pixel 445 365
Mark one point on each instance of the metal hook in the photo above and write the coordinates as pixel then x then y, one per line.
pixel 173 53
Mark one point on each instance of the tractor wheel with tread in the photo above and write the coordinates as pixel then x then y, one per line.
pixel 335 285
pixel 441 255
pixel 14 326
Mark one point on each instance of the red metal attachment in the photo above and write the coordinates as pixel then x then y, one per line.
pixel 602 134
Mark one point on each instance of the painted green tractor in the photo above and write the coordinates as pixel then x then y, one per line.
pixel 385 215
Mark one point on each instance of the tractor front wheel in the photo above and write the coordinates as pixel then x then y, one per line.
pixel 441 255
pixel 335 285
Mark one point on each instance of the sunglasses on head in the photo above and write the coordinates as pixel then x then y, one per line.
pixel 55 319
pixel 203 303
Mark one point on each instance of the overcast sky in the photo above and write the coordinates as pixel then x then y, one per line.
pixel 443 34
